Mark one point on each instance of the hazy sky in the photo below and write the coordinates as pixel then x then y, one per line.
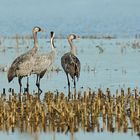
pixel 61 12
pixel 56 8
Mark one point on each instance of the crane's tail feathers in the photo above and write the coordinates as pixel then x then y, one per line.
pixel 10 79
pixel 10 75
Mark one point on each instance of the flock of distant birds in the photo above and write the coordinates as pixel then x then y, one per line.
pixel 33 62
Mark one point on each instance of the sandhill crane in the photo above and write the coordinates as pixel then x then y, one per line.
pixel 22 65
pixel 43 62
pixel 70 62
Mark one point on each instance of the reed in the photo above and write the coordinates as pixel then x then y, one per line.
pixel 56 112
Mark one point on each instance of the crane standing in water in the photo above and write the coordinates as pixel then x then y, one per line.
pixel 43 62
pixel 23 64
pixel 70 62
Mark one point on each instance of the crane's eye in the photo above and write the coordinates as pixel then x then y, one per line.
pixel 37 29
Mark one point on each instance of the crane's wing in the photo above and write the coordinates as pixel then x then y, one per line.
pixel 42 63
pixel 71 65
pixel 21 66
pixel 23 58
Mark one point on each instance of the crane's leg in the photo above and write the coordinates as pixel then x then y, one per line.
pixel 68 84
pixel 27 84
pixel 38 84
pixel 74 84
pixel 20 84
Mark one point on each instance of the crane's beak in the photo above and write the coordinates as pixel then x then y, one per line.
pixel 43 30
pixel 78 37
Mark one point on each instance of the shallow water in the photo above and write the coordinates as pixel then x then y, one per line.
pixel 115 64
pixel 112 63
pixel 57 136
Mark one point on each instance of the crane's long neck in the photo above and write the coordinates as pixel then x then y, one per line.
pixel 35 41
pixel 53 51
pixel 52 44
pixel 73 48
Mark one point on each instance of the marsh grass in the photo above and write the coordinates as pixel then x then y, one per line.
pixel 88 111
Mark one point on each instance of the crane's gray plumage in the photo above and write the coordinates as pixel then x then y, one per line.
pixel 43 62
pixel 22 65
pixel 70 62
